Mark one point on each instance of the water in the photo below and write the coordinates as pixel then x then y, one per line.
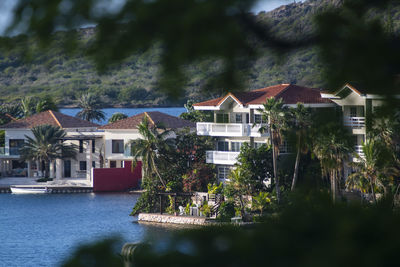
pixel 176 111
pixel 43 230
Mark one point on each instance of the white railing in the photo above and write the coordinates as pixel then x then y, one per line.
pixel 359 151
pixel 229 129
pixel 254 130
pixel 221 157
pixel 354 121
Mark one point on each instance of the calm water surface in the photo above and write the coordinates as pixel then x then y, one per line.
pixel 43 230
pixel 176 111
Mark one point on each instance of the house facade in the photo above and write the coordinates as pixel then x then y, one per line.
pixel 237 120
pixel 79 132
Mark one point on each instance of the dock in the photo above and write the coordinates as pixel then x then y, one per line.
pixel 53 189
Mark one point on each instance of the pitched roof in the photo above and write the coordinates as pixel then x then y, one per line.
pixel 51 118
pixel 154 117
pixel 290 93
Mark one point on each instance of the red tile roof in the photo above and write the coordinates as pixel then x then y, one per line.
pixel 51 118
pixel 290 93
pixel 155 117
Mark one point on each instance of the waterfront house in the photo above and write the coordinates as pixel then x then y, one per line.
pixel 236 120
pixel 80 132
pixel 118 134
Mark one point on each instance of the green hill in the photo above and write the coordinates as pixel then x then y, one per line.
pixel 133 83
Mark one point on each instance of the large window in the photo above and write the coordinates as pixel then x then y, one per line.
pixel 223 146
pixel 223 172
pixel 239 118
pixel 117 146
pixel 222 118
pixel 235 146
pixel 258 118
pixel 15 145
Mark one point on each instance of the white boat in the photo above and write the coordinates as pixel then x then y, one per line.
pixel 29 190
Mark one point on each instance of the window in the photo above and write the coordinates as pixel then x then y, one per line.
pixel 235 146
pixel 93 146
pixel 93 164
pixel 353 111
pixel 113 164
pixel 222 118
pixel 238 118
pixel 82 165
pixel 258 118
pixel 223 146
pixel 247 118
pixel 15 145
pixel 258 144
pixel 117 146
pixel 80 146
pixel 223 172
pixel 285 148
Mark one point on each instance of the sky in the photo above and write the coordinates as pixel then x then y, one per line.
pixel 6 7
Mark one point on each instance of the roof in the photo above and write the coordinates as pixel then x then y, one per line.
pixel 51 118
pixel 290 94
pixel 154 117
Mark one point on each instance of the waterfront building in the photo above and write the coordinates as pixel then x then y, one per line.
pixel 236 119
pixel 79 132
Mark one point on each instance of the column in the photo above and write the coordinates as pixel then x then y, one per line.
pixel 51 174
pixel 89 160
pixel 29 169
pixel 58 168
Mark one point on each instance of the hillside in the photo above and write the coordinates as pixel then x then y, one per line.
pixel 133 83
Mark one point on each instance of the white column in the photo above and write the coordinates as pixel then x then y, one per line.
pixel 29 169
pixel 58 168
pixel 89 160
pixel 51 174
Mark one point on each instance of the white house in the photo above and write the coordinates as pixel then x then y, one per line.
pixel 82 133
pixel 236 113
pixel 118 134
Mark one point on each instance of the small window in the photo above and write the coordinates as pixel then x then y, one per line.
pixel 353 111
pixel 113 164
pixel 93 164
pixel 257 118
pixel 223 146
pixel 117 146
pixel 82 165
pixel 93 146
pixel 238 118
pixel 80 146
pixel 247 118
pixel 222 118
pixel 235 146
pixel 257 145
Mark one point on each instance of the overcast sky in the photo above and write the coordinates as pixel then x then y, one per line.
pixel 6 7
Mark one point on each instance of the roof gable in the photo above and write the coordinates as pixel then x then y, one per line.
pixel 155 117
pixel 50 118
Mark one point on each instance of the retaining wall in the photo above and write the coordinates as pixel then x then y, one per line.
pixel 166 218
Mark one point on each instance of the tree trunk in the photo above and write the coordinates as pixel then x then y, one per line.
pixel 372 191
pixel 333 186
pixel 47 168
pixel 274 163
pixel 296 166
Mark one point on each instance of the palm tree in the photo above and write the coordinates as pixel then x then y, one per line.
pixel 46 146
pixel 91 108
pixel 117 117
pixel 46 103
pixel 332 147
pixel 155 138
pixel 301 123
pixel 375 166
pixel 28 106
pixel 275 112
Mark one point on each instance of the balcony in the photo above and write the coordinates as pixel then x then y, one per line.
pixel 229 129
pixel 222 157
pixel 7 152
pixel 359 151
pixel 355 122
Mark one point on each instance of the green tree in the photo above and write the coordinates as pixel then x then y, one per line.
pixel 332 146
pixel 261 201
pixel 28 106
pixel 154 139
pixel 300 123
pixel 91 108
pixel 195 115
pixel 117 117
pixel 46 103
pixel 46 146
pixel 10 111
pixel 275 112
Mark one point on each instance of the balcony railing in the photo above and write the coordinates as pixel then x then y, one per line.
pixel 222 157
pixel 357 122
pixel 359 151
pixel 12 151
pixel 229 129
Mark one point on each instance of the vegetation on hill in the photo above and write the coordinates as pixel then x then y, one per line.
pixel 66 76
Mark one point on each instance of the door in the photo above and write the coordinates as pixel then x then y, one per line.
pixel 67 168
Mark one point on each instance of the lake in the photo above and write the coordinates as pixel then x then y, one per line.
pixel 43 230
pixel 175 111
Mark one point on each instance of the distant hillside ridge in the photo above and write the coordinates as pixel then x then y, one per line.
pixel 134 82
